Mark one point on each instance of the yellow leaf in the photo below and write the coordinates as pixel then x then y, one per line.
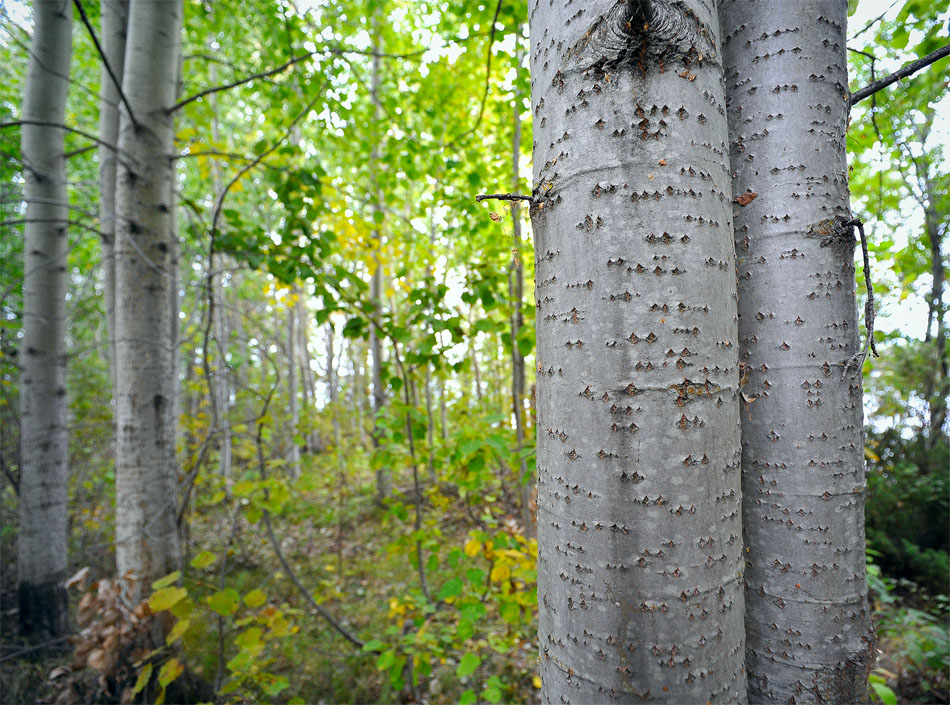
pixel 166 598
pixel 500 572
pixel 255 598
pixel 142 680
pixel 170 671
pixel 473 548
pixel 177 631
pixel 536 681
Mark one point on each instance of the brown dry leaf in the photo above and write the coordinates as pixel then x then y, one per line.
pixel 99 660
pixel 59 671
pixel 746 198
pixel 494 216
pixel 662 162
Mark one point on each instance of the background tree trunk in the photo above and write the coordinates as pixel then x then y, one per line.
pixel 44 468
pixel 294 409
pixel 808 633
pixel 383 480
pixel 516 291
pixel 147 542
pixel 639 567
pixel 113 27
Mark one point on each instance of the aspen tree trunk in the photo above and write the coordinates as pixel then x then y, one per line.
pixel 383 481
pixel 292 390
pixel 808 633
pixel 147 543
pixel 639 567
pixel 113 26
pixel 44 456
pixel 516 287
pixel 222 383
pixel 308 383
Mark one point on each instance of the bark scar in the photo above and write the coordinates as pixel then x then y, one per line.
pixel 642 32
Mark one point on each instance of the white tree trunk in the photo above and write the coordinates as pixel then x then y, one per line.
pixel 44 469
pixel 808 630
pixel 147 542
pixel 294 450
pixel 639 567
pixel 383 479
pixel 113 28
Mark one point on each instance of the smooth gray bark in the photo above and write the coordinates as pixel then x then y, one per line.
pixel 808 633
pixel 639 567
pixel 113 27
pixel 44 457
pixel 147 544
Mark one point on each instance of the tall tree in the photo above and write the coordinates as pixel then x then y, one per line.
pixel 808 633
pixel 41 559
pixel 114 16
pixel 639 565
pixel 147 542
pixel 383 479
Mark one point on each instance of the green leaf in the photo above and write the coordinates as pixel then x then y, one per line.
pixel 224 602
pixel 884 694
pixel 244 488
pixel 467 665
pixel 144 675
pixel 451 588
pixel 468 698
pixel 386 659
pixel 275 685
pixel 255 598
pixel 166 598
pixel 492 695
pixel 169 579
pixel 372 645
pixel 249 639
pixel 203 560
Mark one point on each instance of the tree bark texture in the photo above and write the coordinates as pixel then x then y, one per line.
pixel 640 565
pixel 113 27
pixel 44 469
pixel 147 542
pixel 808 633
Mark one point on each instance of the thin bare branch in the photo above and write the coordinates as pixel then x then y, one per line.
pixel 105 61
pixel 906 70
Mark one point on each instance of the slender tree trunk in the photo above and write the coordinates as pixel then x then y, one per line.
pixel 113 23
pixel 476 367
pixel 147 542
pixel 808 632
pixel 294 455
pixel 44 456
pixel 383 481
pixel 221 383
pixel 940 387
pixel 516 290
pixel 639 567
pixel 308 382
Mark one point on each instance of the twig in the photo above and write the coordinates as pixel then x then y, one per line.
pixel 105 61
pixel 35 647
pixel 903 72
pixel 481 109
pixel 858 359
pixel 503 197
pixel 240 82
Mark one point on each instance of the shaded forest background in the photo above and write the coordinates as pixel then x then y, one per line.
pixel 402 507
